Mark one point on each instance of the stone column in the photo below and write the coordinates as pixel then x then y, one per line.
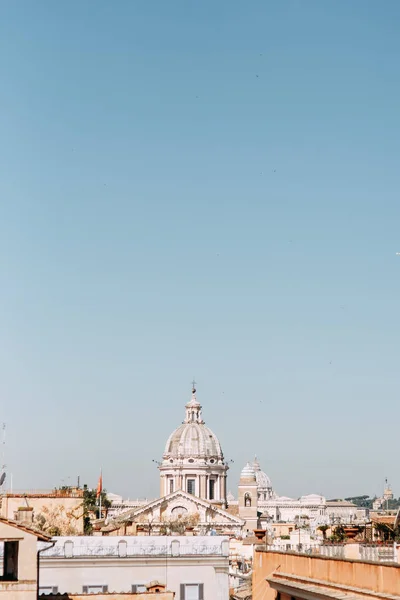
pixel 221 487
pixel 203 487
pixel 162 486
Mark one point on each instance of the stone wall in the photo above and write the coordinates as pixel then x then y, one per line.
pixel 343 576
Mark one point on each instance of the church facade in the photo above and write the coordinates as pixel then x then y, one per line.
pixel 193 492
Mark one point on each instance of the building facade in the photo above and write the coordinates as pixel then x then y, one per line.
pixel 63 507
pixel 19 556
pixel 194 568
pixel 259 503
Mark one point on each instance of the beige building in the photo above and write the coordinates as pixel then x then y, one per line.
pixel 19 556
pixel 248 498
pixel 61 507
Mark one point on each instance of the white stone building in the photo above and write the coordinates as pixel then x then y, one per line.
pixel 195 568
pixel 193 459
pixel 259 503
pixel 193 475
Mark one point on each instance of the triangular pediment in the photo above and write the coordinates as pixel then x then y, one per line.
pixel 191 503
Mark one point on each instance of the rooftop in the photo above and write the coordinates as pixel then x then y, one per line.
pixel 36 532
pixel 131 546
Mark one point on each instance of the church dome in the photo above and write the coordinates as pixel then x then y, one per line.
pixel 248 472
pixel 193 439
pixel 263 481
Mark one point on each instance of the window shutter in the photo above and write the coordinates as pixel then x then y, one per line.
pixel 84 589
pixel 105 589
pixel 201 591
pixel 182 591
pixel 134 588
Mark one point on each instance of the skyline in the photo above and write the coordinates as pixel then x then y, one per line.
pixel 206 190
pixel 232 487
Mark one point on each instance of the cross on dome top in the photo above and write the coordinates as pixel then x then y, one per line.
pixel 193 408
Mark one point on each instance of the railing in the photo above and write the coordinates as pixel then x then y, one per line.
pixel 297 548
pixel 378 553
pixel 122 550
pixel 332 551
pixel 366 552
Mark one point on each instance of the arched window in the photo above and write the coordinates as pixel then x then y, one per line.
pixel 247 499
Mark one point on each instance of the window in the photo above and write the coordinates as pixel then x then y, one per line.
pixel 192 591
pixel 171 486
pixel 48 590
pixel 94 589
pixel 191 486
pixel 122 548
pixel 247 499
pixel 138 587
pixel 9 571
pixel 211 491
pixel 69 549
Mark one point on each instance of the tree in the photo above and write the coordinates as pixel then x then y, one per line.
pixel 91 507
pixel 324 529
pixel 339 534
pixel 385 532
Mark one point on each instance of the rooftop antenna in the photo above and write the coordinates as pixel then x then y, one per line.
pixel 3 455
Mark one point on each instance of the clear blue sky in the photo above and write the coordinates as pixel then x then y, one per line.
pixel 205 189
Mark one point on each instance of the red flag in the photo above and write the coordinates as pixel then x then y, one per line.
pixel 99 485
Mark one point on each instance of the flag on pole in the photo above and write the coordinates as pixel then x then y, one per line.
pixel 99 486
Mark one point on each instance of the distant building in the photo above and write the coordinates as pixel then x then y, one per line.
pixel 259 503
pixel 193 483
pixel 193 460
pixel 63 507
pixel 195 568
pixel 383 501
pixel 193 497
pixel 176 513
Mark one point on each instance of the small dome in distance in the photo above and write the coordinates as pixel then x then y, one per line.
pixel 248 473
pixel 263 481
